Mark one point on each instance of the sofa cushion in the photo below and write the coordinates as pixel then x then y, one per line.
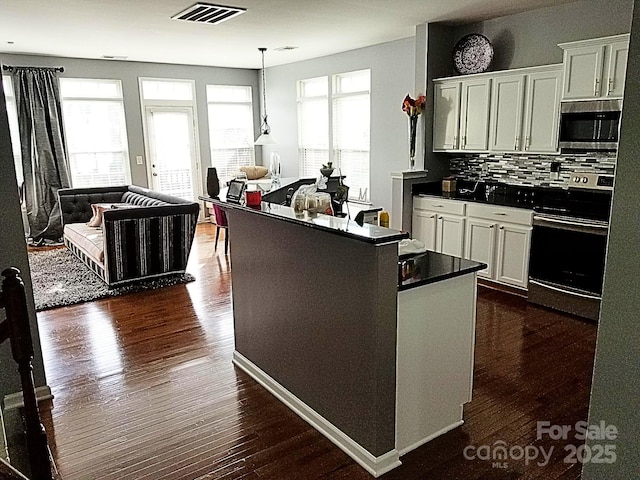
pixel 88 239
pixel 254 172
pixel 141 200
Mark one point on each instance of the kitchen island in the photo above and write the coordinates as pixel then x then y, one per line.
pixel 377 363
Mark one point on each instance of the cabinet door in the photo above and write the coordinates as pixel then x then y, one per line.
pixel 479 244
pixel 450 235
pixel 446 115
pixel 474 114
pixel 583 72
pixel 507 98
pixel 423 226
pixel 617 69
pixel 512 262
pixel 542 112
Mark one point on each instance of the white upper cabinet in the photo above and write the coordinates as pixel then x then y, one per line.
pixel 542 111
pixel 474 114
pixel 595 68
pixel 507 102
pixel 509 111
pixel 461 114
pixel 525 111
pixel 446 97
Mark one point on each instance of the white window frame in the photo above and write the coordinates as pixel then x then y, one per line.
pixel 333 95
pixel 12 113
pixel 120 99
pixel 250 145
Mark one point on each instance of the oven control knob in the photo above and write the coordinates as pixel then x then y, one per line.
pixel 585 179
pixel 576 179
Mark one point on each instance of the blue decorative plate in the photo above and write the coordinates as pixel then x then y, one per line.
pixel 472 54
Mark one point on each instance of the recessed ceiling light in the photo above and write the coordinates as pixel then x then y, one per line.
pixel 282 49
pixel 208 13
pixel 10 42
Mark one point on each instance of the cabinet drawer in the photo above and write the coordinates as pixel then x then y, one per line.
pixel 500 214
pixel 436 204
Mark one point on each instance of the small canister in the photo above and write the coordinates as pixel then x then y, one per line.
pixel 449 184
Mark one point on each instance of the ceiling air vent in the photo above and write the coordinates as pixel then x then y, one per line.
pixel 208 13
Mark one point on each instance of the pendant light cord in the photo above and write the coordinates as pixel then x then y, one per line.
pixel 265 127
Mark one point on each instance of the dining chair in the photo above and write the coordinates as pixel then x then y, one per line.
pixel 221 222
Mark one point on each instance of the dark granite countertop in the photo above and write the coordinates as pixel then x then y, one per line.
pixel 542 199
pixel 340 226
pixel 432 267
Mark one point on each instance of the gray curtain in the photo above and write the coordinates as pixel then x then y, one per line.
pixel 44 160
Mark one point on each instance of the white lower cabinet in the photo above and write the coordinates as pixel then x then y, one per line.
pixel 450 235
pixel 439 224
pixel 495 235
pixel 500 237
pixel 480 244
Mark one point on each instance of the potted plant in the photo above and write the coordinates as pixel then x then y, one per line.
pixel 327 169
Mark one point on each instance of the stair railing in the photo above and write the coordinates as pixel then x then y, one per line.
pixel 16 329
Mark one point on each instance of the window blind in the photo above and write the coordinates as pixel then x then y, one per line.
pixel 93 117
pixel 230 112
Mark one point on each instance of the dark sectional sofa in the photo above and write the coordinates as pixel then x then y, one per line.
pixel 150 238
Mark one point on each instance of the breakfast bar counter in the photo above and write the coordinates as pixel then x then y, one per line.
pixel 323 321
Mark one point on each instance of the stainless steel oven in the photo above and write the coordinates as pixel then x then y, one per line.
pixel 568 248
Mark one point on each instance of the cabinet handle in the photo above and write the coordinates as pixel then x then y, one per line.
pixel 596 89
pixel 527 143
pixel 610 87
pixel 499 213
pixel 455 141
pixel 501 227
pixel 433 216
pixel 517 143
pixel 464 141
pixel 437 206
pixel 491 226
pixel 440 217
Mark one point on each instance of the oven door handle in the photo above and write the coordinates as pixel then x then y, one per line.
pixel 570 225
pixel 562 290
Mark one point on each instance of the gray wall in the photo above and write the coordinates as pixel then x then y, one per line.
pixel 615 394
pixel 531 38
pixel 128 73
pixel 325 327
pixel 392 77
pixel 13 253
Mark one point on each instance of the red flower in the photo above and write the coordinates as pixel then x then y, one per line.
pixel 412 107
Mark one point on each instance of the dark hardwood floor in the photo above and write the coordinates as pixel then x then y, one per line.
pixel 145 389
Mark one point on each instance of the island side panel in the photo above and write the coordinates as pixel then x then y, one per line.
pixel 317 312
pixel 436 330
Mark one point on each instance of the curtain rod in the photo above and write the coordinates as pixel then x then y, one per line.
pixel 11 67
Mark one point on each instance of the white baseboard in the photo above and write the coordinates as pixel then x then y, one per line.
pixel 15 400
pixel 376 466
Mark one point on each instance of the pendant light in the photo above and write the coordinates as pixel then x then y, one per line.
pixel 265 137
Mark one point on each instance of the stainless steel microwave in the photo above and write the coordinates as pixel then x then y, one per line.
pixel 590 125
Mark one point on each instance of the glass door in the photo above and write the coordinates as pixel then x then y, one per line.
pixel 172 156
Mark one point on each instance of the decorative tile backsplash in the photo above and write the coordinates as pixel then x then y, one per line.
pixel 530 169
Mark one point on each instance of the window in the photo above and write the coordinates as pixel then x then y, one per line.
pixel 313 125
pixel 93 117
pixel 351 125
pixel 339 118
pixel 12 113
pixel 230 128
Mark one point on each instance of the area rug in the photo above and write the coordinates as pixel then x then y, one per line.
pixel 59 278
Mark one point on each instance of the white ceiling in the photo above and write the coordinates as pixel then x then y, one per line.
pixel 142 30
